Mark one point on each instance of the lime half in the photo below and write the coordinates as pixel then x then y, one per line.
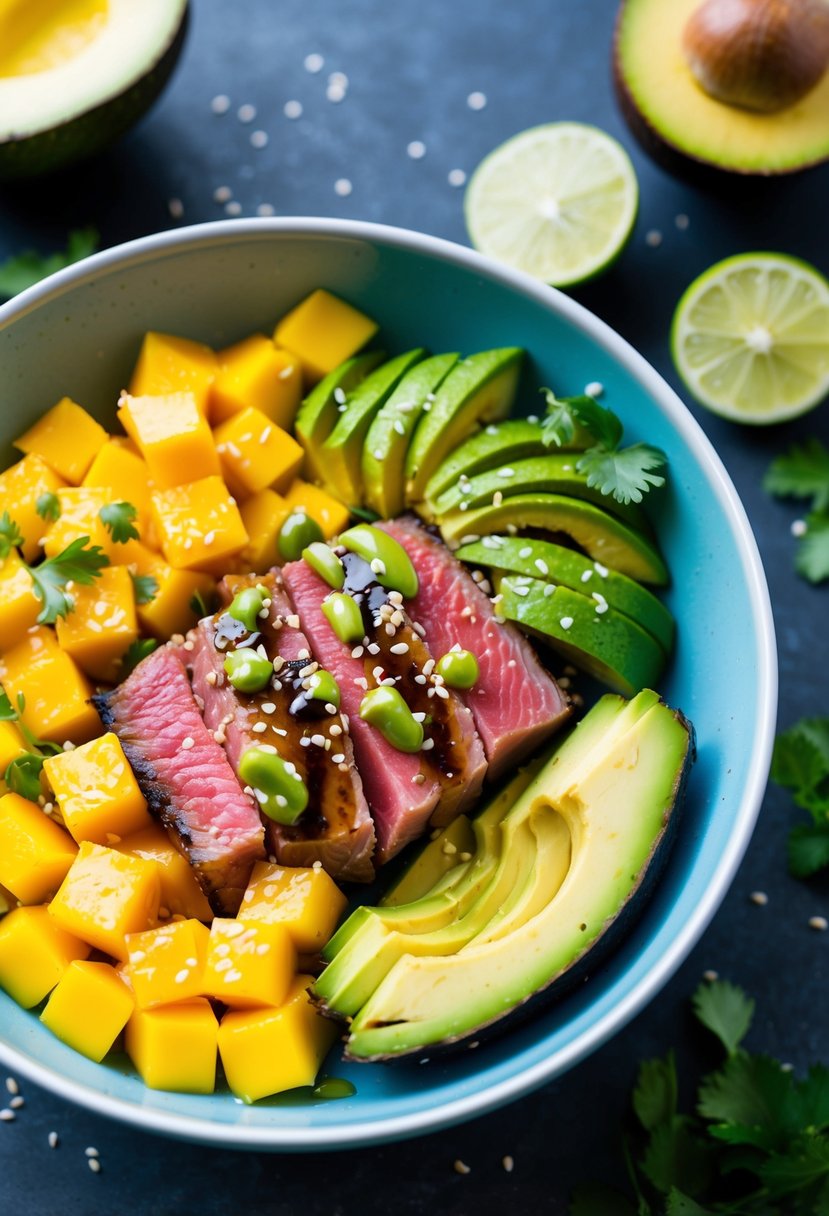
pixel 750 337
pixel 557 201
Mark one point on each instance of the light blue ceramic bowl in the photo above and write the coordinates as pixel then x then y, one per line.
pixel 78 333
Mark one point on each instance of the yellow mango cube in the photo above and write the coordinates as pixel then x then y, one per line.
pixel 21 486
pixel 323 331
pixel 126 478
pixel 167 964
pixel 34 954
pixel 170 609
pixel 19 606
pixel 107 895
pixel 248 964
pixel 35 853
pixel 330 514
pixel 256 373
pixel 103 624
pixel 89 1008
pixel 199 525
pixel 256 453
pixel 268 1051
pixel 168 364
pixel 181 894
pixel 96 791
pixel 11 745
pixel 172 436
pixel 80 515
pixel 56 692
pixel 263 514
pixel 67 438
pixel 174 1047
pixel 306 901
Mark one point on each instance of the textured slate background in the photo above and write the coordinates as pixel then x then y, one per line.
pixel 410 67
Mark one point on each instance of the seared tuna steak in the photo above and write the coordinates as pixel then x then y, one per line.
pixel 185 776
pixel 515 703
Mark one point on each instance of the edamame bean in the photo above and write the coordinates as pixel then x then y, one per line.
pixel 323 559
pixel 277 786
pixel 247 605
pixel 247 670
pixel 344 617
pixel 390 562
pixel 384 708
pixel 459 668
pixel 323 687
pixel 297 533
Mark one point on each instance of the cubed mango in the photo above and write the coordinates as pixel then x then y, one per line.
pixel 256 453
pixel 181 895
pixel 67 438
pixel 199 525
pixel 167 364
pixel 22 486
pixel 107 895
pixel 174 1047
pixel 96 791
pixel 126 478
pixel 256 373
pixel 323 331
pixel 34 954
pixel 11 745
pixel 35 853
pixel 170 608
pixel 19 606
pixel 306 901
pixel 248 964
pixel 103 624
pixel 167 964
pixel 80 515
pixel 329 513
pixel 263 514
pixel 56 692
pixel 89 1008
pixel 172 436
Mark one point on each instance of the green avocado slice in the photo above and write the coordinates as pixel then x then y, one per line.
pixel 479 389
pixel 341 454
pixel 318 414
pixel 616 808
pixel 555 564
pixel 435 864
pixel 603 537
pixel 497 443
pixel 387 441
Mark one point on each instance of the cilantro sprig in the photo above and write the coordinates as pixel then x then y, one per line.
pixel 800 763
pixel 24 269
pixel 48 506
pixel 22 774
pixel 626 474
pixel 80 562
pixel 145 587
pixel 118 519
pixel 757 1143
pixel 803 473
pixel 10 535
pixel 137 650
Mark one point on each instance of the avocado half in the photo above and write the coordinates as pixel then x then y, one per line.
pixel 76 74
pixel 687 131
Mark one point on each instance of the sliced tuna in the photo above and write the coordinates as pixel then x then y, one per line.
pixel 185 776
pixel 336 828
pixel 515 702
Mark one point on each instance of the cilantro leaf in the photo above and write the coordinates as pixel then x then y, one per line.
pixel 202 605
pixel 48 506
pixel 802 472
pixel 655 1094
pixel 21 271
pixel 626 474
pixel 145 587
pixel 10 535
pixel 814 1098
pixel 748 1101
pixel 22 775
pixel 800 763
pixel 785 1174
pixel 807 849
pixel 676 1156
pixel 79 562
pixel 812 556
pixel 118 519
pixel 571 420
pixel 137 651
pixel 682 1205
pixel 725 1010
pixel 7 711
pixel 365 513
pixel 592 1200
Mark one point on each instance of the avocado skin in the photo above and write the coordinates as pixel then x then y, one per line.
pixel 86 135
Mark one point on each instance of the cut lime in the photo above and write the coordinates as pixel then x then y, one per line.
pixel 750 337
pixel 557 201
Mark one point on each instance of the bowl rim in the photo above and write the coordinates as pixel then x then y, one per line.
pixel 377 1130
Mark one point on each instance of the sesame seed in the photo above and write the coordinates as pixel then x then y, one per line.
pixel 521 590
pixel 443 693
pixel 11 1086
pixel 653 238
pixel 6 1115
pixel 682 221
pixel 338 758
pixel 16 1102
pixel 594 389
pixel 176 208
pixel 815 922
pixel 549 590
pixel 292 622
pixel 416 149
pixel 709 976
pixel 318 740
pixel 94 1164
pixel 233 209
pixel 246 113
pixel 566 622
pixel 508 1163
pixel 335 92
pixel 449 849
pixel 53 1140
pixel 506 472
pixel 292 109
pixel 335 729
pixel 418 779
pixel 209 537
pixel 456 177
pixel 398 427
pixel 343 187
pixel 338 78
pixel 476 101
pixel 601 570
pixel 357 652
pixel 399 648
pixel 187 742
pixel 428 744
pixel 373 648
pixel 760 898
pixel 460 1167
pixel 541 565
pixel 798 528
pixel 222 194
pixel 259 728
pixel 220 104
pixel 182 975
pixel 313 63
pixel 265 209
pixel 377 566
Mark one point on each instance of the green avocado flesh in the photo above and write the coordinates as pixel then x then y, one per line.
pixel 587 828
pixel 318 414
pixel 603 642
pixel 340 457
pixel 498 443
pixel 387 441
pixel 479 389
pixel 602 536
pixel 555 564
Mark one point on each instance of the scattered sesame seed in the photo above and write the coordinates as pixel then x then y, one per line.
pixel 476 101
pixel 265 209
pixel 11 1086
pixel 541 565
pixel 566 622
pixel 399 648
pixel 292 109
pixel 377 566
pixel 416 149
pixel 182 975
pixel 6 1115
pixel 521 590
pixel 460 1167
pixel 799 527
pixel 443 693
pixel 338 758
pixel 815 922
pixel 709 976
pixel 176 208
pixel 760 898
pixel 335 92
pixel 600 569
pixel 246 113
pixel 292 622
pixel 305 741
pixel 653 238
pixel 373 648
pixel 339 396
pixel 418 779
pixel 318 740
pixel 339 79
pixel 222 194
pixel 343 187
pixel 233 209
pixel 508 1163
pixel 457 177
pixel 428 744
pixel 187 742
pixel 335 729
pixel 682 221
pixel 258 139
pixel 594 389
pixel 398 427
pixel 16 1102
pixel 53 1139
pixel 313 63
pixel 220 104
pixel 506 472
pixel 259 728
pixel 94 1164
pixel 449 848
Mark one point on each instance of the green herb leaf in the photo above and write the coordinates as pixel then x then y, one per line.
pixel 592 1200
pixel 7 711
pixel 10 535
pixel 202 605
pixel 118 519
pixel 807 849
pixel 753 1095
pixel 365 513
pixel 23 775
pixel 725 1010
pixel 626 474
pixel 567 416
pixel 787 1174
pixel 676 1157
pixel 655 1094
pixel 145 587
pixel 802 472
pixel 812 556
pixel 800 763
pixel 48 506
pixel 814 1097
pixel 79 562
pixel 135 653
pixel 24 269
pixel 683 1205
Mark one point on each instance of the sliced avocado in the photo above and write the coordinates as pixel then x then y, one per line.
pixel 602 536
pixel 318 414
pixel 479 389
pixel 555 564
pixel 553 473
pixel 433 863
pixel 341 454
pixel 595 637
pixel 616 807
pixel 74 77
pixel 387 441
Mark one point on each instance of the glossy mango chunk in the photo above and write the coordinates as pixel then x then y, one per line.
pixel 96 791
pixel 80 515
pixel 21 486
pixel 34 953
pixel 172 436
pixel 256 373
pixel 67 438
pixel 11 745
pixel 323 331
pixel 199 525
pixel 171 608
pixel 166 964
pixel 248 964
pixel 263 514
pixel 56 691
pixel 102 625
pixel 306 901
pixel 19 606
pixel 167 364
pixel 174 1047
pixel 107 895
pixel 181 895
pixel 256 453
pixel 268 1051
pixel 35 853
pixel 330 514
pixel 125 476
pixel 89 1008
